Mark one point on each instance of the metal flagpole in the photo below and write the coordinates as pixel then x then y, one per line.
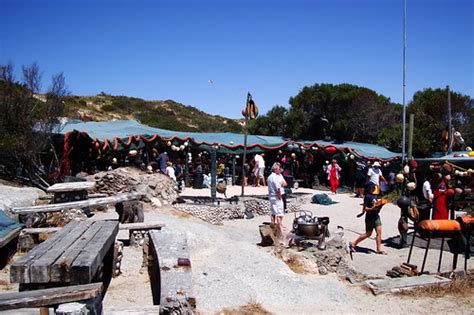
pixel 404 79
pixel 245 144
pixel 450 122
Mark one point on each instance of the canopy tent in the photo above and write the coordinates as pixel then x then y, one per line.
pixel 123 133
pixel 129 134
pixel 459 160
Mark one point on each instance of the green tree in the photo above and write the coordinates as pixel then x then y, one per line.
pixel 430 107
pixel 343 112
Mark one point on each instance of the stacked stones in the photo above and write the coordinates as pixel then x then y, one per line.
pixel 216 214
pixel 155 187
pixel 118 255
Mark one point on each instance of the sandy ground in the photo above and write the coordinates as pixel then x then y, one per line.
pixel 230 270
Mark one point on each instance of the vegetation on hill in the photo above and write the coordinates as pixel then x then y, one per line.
pixel 166 114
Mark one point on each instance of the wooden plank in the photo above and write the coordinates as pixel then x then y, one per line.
pixel 19 270
pixel 396 284
pixel 60 268
pixel 142 225
pixel 10 235
pixel 138 310
pixel 46 230
pixel 79 204
pixel 73 186
pixel 175 279
pixel 124 226
pixel 88 261
pixel 40 269
pixel 45 297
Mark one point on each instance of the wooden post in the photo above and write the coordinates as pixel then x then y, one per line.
pixel 244 157
pixel 213 172
pixel 233 169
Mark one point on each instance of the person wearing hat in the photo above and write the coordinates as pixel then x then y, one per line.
pixel 334 174
pixel 375 175
pixel 372 221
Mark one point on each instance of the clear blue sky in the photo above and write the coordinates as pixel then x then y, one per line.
pixel 170 49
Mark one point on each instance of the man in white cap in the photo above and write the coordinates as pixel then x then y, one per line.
pixel 375 175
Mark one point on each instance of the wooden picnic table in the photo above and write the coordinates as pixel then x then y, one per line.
pixel 77 254
pixel 71 191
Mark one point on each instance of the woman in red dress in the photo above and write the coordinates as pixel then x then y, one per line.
pixel 333 175
pixel 440 200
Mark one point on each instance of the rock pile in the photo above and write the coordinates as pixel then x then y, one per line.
pixel 309 259
pixel 247 208
pixel 157 188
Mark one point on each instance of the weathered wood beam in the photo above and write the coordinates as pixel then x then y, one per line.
pixel 44 297
pixel 79 204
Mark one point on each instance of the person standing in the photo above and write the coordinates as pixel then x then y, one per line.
pixel 283 187
pixel 440 202
pixel 170 171
pixel 426 199
pixel 372 221
pixel 334 174
pixel 375 175
pixel 259 169
pixel 360 179
pixel 163 161
pixel 275 197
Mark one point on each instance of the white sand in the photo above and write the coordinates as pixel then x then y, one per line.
pixel 230 270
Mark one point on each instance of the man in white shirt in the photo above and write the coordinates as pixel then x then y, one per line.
pixel 275 197
pixel 375 175
pixel 259 170
pixel 425 205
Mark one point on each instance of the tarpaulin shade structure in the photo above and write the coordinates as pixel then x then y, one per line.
pixel 129 134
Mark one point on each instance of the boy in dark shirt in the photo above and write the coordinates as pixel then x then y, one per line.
pixel 372 221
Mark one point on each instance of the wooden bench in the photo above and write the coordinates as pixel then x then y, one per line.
pixel 142 227
pixel 72 191
pixel 169 268
pixel 49 297
pixel 79 253
pixel 89 203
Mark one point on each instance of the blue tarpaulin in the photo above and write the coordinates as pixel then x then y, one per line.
pixel 7 225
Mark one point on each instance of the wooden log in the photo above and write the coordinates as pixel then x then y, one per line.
pixel 59 270
pixel 87 262
pixel 142 226
pixel 19 270
pixel 137 310
pixel 46 297
pixel 40 269
pixel 68 187
pixel 79 204
pixel 174 280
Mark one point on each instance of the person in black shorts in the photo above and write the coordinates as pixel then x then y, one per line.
pixel 372 221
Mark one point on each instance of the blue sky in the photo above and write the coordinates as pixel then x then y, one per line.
pixel 169 49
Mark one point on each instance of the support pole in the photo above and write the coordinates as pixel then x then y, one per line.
pixel 450 127
pixel 410 136
pixel 213 173
pixel 404 80
pixel 186 167
pixel 244 157
pixel 233 169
